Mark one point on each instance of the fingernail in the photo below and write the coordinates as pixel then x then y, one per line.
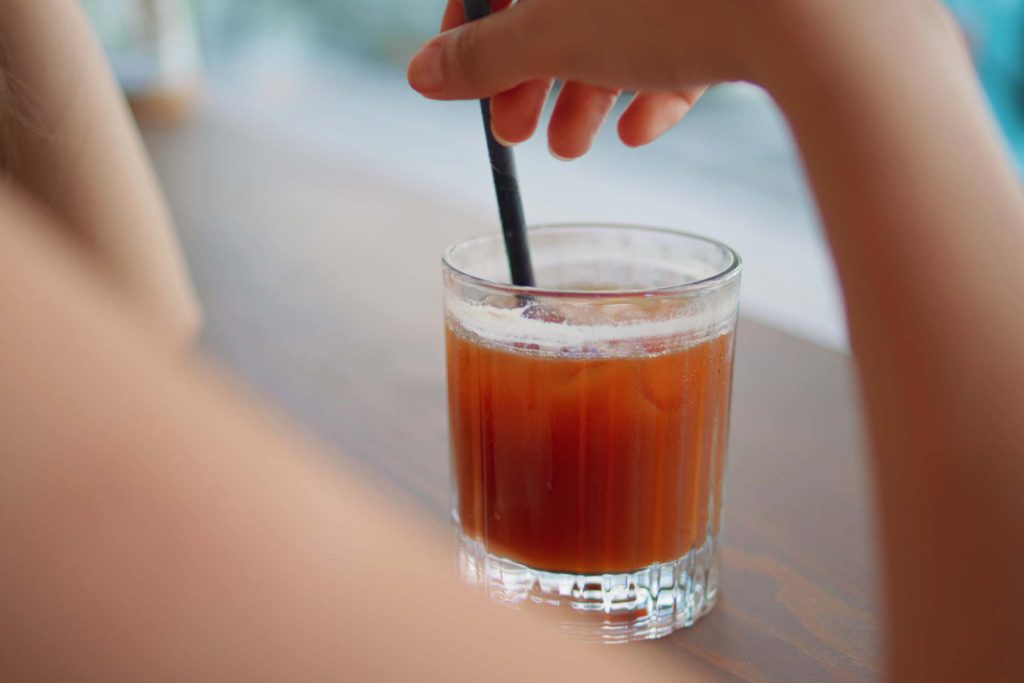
pixel 556 155
pixel 502 141
pixel 425 72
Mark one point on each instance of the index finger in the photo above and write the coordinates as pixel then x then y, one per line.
pixel 455 14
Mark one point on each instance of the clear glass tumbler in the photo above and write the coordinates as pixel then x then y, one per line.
pixel 589 418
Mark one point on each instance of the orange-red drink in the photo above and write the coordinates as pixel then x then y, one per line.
pixel 589 422
pixel 588 465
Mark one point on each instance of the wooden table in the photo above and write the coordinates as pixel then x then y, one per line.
pixel 322 289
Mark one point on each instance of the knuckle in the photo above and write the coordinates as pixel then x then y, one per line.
pixel 463 54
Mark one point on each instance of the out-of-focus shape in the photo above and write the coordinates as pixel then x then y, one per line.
pixel 154 48
pixel 995 29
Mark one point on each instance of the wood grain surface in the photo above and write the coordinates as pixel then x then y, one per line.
pixel 322 289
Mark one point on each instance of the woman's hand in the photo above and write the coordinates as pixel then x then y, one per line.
pixel 667 50
pixel 923 212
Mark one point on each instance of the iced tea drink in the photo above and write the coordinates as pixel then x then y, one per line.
pixel 589 422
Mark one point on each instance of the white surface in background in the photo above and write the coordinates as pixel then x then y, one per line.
pixel 728 172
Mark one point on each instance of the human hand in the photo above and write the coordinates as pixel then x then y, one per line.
pixel 666 50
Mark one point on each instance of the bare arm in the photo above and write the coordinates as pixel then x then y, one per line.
pixel 926 221
pixel 162 528
pixel 70 142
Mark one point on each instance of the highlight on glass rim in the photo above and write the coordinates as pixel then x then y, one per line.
pixel 493 339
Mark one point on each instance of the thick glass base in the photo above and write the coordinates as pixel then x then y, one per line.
pixel 612 608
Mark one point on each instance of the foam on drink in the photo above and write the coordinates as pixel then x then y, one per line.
pixel 513 326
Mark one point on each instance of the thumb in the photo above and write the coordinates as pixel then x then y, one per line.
pixel 481 58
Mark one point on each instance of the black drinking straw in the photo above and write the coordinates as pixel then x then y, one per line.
pixel 506 185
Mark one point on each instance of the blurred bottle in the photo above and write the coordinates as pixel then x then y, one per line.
pixel 995 29
pixel 154 47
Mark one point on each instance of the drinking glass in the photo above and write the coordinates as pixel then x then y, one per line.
pixel 589 418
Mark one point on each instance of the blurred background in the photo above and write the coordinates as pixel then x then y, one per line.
pixel 325 79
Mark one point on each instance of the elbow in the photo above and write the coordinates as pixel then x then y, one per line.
pixel 176 321
pixel 183 326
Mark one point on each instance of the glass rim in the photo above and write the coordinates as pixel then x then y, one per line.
pixel 727 274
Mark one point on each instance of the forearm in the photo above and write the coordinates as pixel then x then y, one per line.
pixel 926 222
pixel 157 526
pixel 72 144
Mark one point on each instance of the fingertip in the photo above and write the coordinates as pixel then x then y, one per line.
pixel 475 60
pixel 650 115
pixel 622 129
pixel 579 113
pixel 516 113
pixel 565 141
pixel 426 72
pixel 629 135
pixel 501 140
pixel 556 155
